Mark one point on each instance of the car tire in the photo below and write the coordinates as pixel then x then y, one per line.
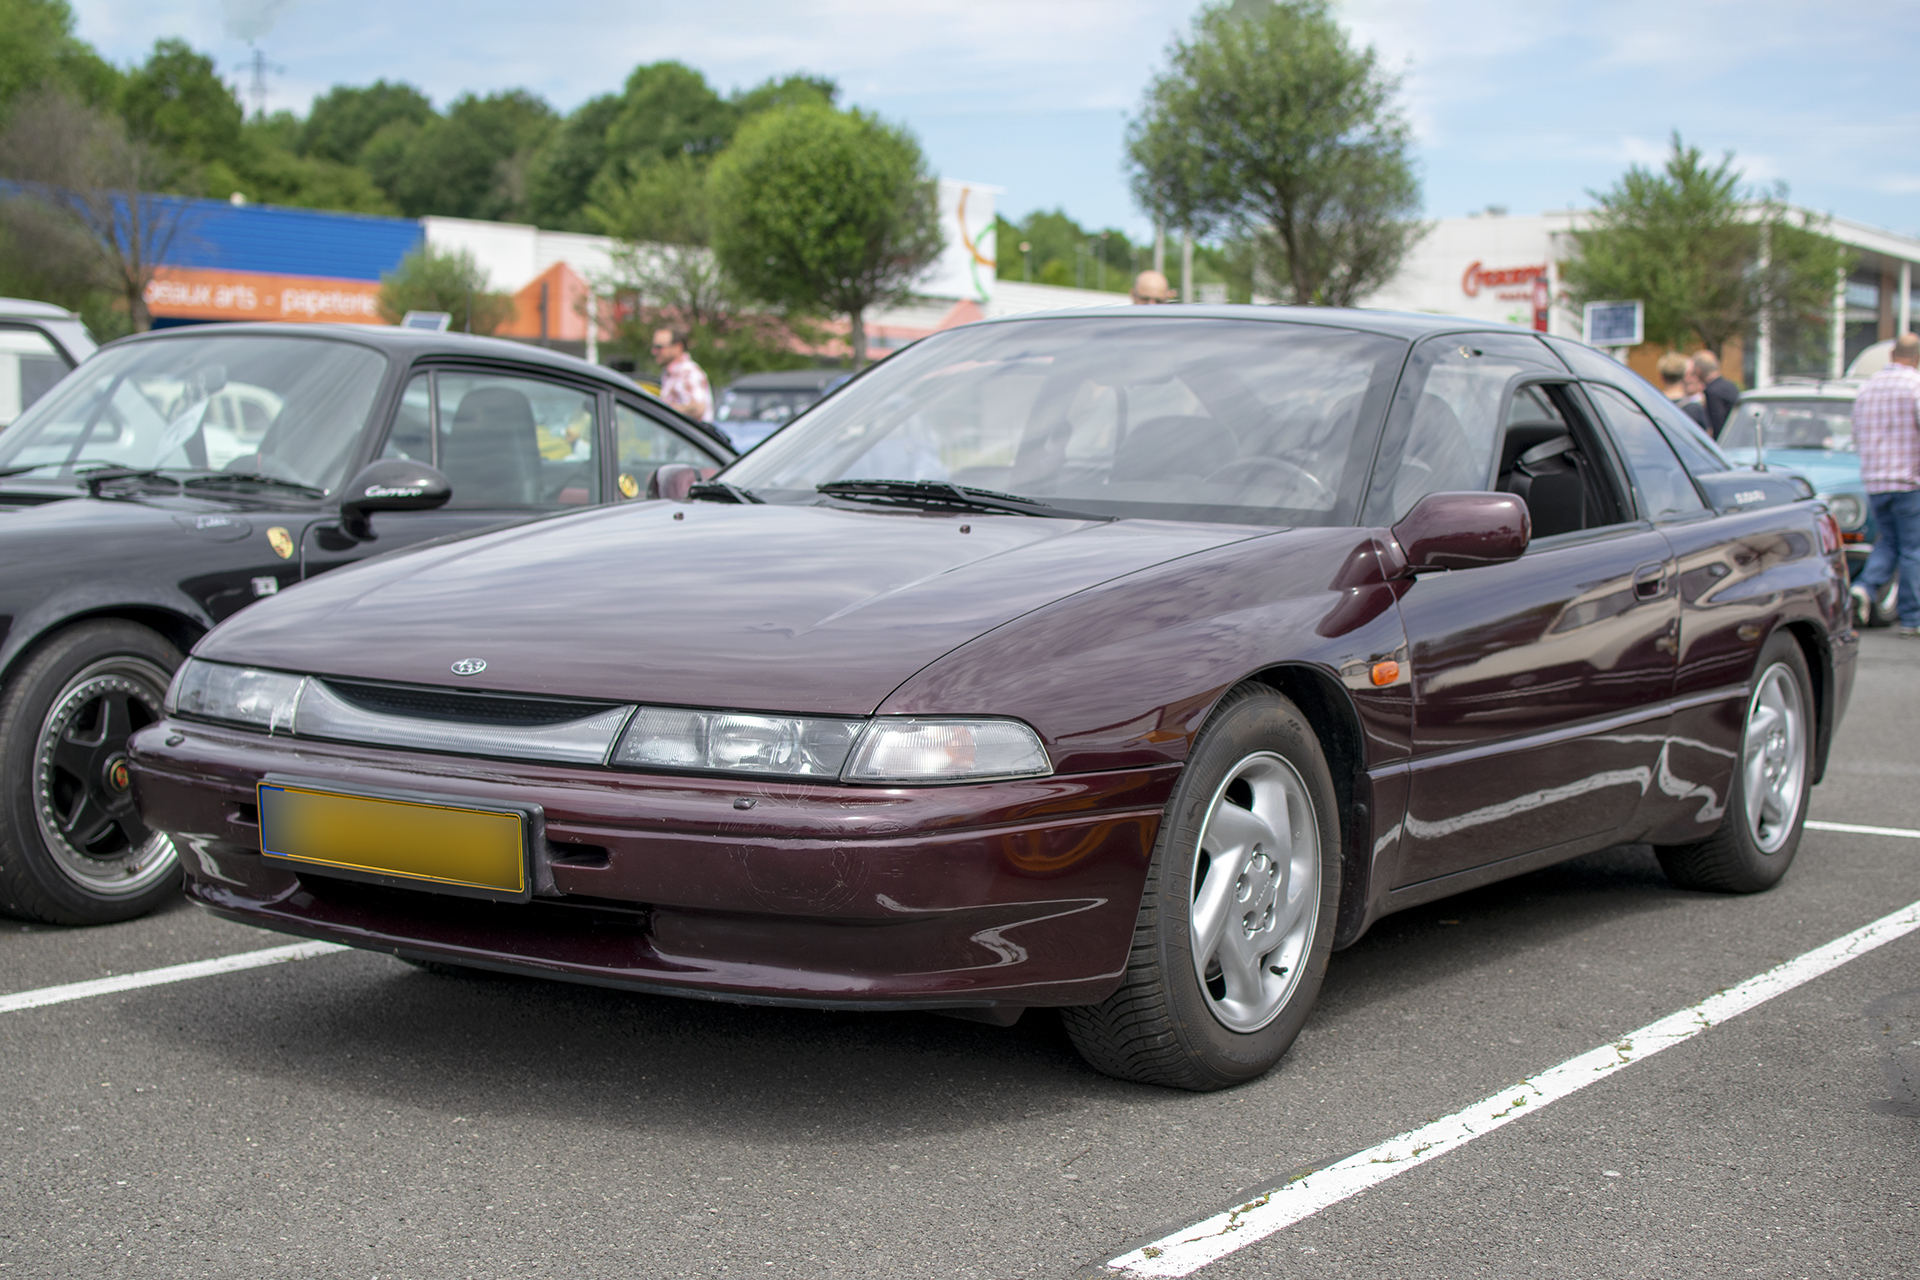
pixel 1772 781
pixel 73 850
pixel 1256 799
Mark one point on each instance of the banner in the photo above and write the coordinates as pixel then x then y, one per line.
pixel 965 267
pixel 195 293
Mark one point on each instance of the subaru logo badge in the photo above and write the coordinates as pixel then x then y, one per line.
pixel 469 666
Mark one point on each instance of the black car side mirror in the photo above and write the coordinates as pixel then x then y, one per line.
pixel 390 484
pixel 1463 531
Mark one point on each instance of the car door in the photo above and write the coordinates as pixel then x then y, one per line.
pixel 1541 686
pixel 512 444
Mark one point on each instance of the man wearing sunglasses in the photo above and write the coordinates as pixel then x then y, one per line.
pixel 683 384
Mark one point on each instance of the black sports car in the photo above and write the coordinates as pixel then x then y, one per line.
pixel 176 477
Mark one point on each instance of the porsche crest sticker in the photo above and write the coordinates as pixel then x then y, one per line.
pixel 629 487
pixel 281 541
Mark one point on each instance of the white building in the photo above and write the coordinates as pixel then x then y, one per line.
pixel 1492 266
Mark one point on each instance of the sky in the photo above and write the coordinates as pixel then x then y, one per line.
pixel 1526 104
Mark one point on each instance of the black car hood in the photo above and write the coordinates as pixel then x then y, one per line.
pixel 807 609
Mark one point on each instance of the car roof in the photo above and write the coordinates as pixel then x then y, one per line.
pixel 1810 389
pixel 26 307
pixel 412 344
pixel 1411 325
pixel 787 380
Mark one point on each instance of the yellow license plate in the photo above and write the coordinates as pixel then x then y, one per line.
pixel 437 844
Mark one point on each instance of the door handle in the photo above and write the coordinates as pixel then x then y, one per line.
pixel 1650 581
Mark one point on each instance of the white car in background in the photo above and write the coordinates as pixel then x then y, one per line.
pixel 39 345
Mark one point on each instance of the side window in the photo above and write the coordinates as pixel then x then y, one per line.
pixel 1665 491
pixel 412 434
pixel 1699 452
pixel 646 445
pixel 29 366
pixel 501 441
pixel 1447 420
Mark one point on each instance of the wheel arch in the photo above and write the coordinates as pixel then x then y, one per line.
pixel 1329 709
pixel 178 629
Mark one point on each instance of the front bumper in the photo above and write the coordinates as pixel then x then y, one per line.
pixel 993 894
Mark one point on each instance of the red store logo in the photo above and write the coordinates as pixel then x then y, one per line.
pixel 1477 277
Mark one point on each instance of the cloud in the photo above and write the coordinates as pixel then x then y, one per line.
pixel 249 20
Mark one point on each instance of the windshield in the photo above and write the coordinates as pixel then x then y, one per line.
pixel 777 407
pixel 1237 421
pixel 1791 424
pixel 287 408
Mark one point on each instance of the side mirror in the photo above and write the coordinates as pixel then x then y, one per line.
pixel 672 481
pixel 390 484
pixel 1463 531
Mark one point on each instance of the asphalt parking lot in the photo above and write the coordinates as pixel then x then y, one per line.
pixel 349 1115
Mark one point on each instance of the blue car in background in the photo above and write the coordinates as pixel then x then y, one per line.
pixel 1806 426
pixel 759 404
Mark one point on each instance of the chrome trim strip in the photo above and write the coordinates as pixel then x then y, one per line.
pixel 1565 733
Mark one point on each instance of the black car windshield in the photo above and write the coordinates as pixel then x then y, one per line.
pixel 1239 421
pixel 287 408
pixel 1791 424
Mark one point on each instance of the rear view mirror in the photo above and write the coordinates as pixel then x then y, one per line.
pixel 1463 531
pixel 390 484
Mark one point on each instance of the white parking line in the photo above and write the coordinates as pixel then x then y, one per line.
pixel 160 977
pixel 1859 830
pixel 1184 1252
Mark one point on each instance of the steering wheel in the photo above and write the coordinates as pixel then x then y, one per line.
pixel 1262 469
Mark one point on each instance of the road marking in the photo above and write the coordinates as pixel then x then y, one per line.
pixel 1859 830
pixel 160 977
pixel 1186 1251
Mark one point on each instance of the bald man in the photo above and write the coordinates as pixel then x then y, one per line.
pixel 1150 288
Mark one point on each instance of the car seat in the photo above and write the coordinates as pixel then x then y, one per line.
pixel 491 456
pixel 1550 478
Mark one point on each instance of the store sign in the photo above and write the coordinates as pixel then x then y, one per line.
pixel 191 293
pixel 1510 284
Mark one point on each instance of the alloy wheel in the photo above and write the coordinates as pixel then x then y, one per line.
pixel 83 795
pixel 1774 757
pixel 1256 892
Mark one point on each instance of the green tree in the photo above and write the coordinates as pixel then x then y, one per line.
pixel 37 47
pixel 342 120
pixel 1270 127
pixel 821 210
pixel 427 280
pixel 176 101
pixel 87 187
pixel 1687 243
pixel 562 174
pixel 470 163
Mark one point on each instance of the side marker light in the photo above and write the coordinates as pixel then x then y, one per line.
pixel 1385 673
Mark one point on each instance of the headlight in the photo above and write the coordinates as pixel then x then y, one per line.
pixel 243 695
pixel 1847 509
pixel 910 750
pixel 736 742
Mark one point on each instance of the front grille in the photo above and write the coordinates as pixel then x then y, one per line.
pixel 460 706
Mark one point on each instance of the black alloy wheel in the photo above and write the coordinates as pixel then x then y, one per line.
pixel 73 849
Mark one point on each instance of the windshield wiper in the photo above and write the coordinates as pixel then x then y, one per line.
pixel 221 479
pixel 943 495
pixel 721 491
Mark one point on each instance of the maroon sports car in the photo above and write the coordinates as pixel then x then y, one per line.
pixel 1127 663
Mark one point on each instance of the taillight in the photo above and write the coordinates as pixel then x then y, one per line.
pixel 1829 533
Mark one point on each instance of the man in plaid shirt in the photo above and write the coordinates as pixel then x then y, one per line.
pixel 683 384
pixel 1886 432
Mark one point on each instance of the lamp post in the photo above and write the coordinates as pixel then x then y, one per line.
pixel 1026 261
pixel 1103 261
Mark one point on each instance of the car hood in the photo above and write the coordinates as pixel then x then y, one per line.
pixel 1829 471
pixel 780 608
